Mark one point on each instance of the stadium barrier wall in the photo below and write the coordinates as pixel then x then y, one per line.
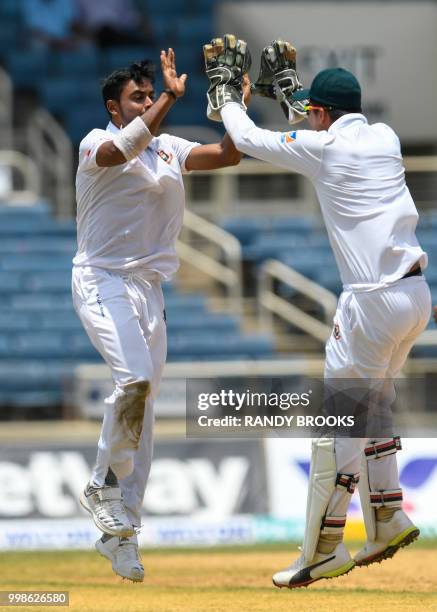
pixel 200 493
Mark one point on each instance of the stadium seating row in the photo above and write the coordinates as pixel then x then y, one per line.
pixel 53 76
pixel 41 338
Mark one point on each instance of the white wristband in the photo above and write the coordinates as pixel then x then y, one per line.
pixel 133 139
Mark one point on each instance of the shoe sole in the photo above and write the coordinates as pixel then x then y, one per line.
pixel 400 541
pixel 125 533
pixel 340 571
pixel 105 553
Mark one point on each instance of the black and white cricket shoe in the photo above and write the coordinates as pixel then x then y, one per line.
pixel 301 573
pixel 124 556
pixel 105 504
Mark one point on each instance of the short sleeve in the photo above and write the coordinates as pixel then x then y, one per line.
pixel 88 149
pixel 181 149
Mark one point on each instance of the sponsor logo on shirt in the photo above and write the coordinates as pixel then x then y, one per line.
pixel 336 331
pixel 167 157
pixel 288 137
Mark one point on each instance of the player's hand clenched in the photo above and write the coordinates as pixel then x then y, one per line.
pixel 171 80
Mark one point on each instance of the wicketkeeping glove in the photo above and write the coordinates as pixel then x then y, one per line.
pixel 264 84
pixel 278 78
pixel 226 61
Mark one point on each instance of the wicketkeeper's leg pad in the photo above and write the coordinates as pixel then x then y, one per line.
pixel 328 499
pixel 379 480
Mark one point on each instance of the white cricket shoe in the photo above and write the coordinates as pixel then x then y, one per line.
pixel 124 556
pixel 301 573
pixel 105 504
pixel 396 533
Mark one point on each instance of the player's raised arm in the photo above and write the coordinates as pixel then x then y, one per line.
pixel 227 103
pixel 134 110
pixel 221 154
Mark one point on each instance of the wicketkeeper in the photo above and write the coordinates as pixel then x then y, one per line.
pixel 357 171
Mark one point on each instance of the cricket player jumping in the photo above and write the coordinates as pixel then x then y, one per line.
pixel 130 204
pixel 370 217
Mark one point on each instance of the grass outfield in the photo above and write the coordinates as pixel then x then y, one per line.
pixel 224 579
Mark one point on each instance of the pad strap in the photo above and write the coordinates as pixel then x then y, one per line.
pixel 333 524
pixel 374 450
pixel 348 481
pixel 390 497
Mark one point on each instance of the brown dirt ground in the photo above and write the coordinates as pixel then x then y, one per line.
pixel 219 580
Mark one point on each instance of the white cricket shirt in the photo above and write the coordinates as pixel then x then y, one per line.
pixel 129 216
pixel 357 171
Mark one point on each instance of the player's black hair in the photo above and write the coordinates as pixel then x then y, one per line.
pixel 113 85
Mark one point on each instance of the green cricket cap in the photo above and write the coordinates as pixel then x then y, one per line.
pixel 333 87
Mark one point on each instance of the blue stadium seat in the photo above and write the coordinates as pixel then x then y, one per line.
pixel 22 262
pixel 190 60
pixel 48 345
pixel 329 277
pixel 208 322
pixel 60 321
pixel 166 10
pixel 61 94
pixel 15 226
pixel 187 113
pixel 181 302
pixel 11 8
pixel 28 68
pixel 30 399
pixel 23 321
pixel 11 321
pixel 121 57
pixel 195 29
pixel 40 209
pixel 28 375
pixel 309 263
pixel 10 281
pixel 33 245
pixel 50 281
pixel 39 302
pixel 83 118
pixel 39 328
pixel 205 6
pixel 32 227
pixel 245 229
pixel 251 229
pixel 82 63
pixel 198 345
pixel 431 273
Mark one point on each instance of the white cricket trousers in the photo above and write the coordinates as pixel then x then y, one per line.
pixel 123 315
pixel 373 333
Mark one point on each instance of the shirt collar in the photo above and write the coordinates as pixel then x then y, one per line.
pixel 346 120
pixel 111 127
